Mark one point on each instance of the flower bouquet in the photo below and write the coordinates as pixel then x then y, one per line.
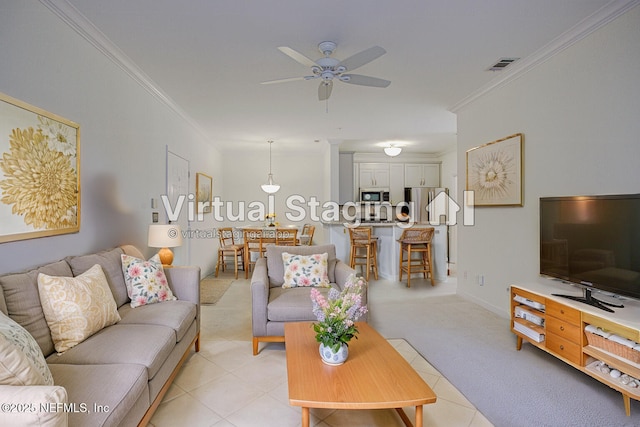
pixel 337 314
pixel 270 220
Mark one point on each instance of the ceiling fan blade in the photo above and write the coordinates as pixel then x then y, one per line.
pixel 290 79
pixel 297 56
pixel 362 58
pixel 324 90
pixel 357 79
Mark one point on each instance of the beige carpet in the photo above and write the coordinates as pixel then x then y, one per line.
pixel 213 288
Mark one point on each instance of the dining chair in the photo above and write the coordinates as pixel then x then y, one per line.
pixel 254 243
pixel 229 249
pixel 412 241
pixel 306 235
pixel 286 236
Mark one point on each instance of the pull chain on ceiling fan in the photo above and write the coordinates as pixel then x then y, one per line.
pixel 328 68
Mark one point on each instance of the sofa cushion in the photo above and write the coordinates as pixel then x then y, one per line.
pixel 23 301
pixel 292 305
pixel 76 307
pixel 112 267
pixel 146 281
pixel 21 360
pixel 117 387
pixel 275 266
pixel 305 270
pixel 146 345
pixel 177 315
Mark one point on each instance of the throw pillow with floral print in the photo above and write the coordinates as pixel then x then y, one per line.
pixel 145 280
pixel 305 270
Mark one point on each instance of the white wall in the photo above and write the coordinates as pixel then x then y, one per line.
pixel 448 179
pixel 299 173
pixel 579 115
pixel 124 135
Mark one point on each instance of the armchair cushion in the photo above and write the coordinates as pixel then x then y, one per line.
pixel 292 305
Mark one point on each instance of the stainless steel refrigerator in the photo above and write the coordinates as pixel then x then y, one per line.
pixel 421 197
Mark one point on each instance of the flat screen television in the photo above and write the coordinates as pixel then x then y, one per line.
pixel 594 242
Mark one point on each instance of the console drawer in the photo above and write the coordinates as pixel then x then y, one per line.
pixel 561 311
pixel 564 348
pixel 563 329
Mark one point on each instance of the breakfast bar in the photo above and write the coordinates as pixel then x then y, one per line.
pixel 388 233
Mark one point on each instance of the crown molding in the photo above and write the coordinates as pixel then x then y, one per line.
pixel 85 28
pixel 598 19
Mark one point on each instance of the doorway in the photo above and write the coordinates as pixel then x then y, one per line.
pixel 177 180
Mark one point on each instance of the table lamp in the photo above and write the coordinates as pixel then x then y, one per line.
pixel 165 236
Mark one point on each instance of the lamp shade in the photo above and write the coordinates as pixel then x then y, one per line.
pixel 164 236
pixel 270 187
pixel 392 150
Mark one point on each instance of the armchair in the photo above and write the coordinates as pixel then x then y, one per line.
pixel 273 305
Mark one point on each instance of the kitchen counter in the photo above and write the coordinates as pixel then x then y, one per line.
pixel 388 233
pixel 365 223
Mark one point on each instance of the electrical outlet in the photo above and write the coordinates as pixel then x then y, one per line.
pixel 481 279
pixel 464 275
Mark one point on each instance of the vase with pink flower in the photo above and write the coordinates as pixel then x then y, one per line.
pixel 337 314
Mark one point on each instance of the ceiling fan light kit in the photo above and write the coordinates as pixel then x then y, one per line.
pixel 328 68
pixel 270 187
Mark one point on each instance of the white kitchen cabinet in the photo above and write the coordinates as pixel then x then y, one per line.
pixel 374 175
pixel 421 175
pixel 396 183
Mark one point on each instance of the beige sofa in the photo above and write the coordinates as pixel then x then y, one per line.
pixel 273 305
pixel 117 376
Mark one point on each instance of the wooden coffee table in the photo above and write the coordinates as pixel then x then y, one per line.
pixel 375 375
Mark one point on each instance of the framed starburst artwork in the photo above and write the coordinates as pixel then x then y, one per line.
pixel 494 172
pixel 39 172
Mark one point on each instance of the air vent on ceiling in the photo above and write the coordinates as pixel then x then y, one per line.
pixel 502 63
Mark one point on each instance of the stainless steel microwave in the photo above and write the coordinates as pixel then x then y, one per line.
pixel 374 195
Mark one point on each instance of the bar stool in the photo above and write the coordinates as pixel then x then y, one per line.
pixel 362 241
pixel 227 249
pixel 416 240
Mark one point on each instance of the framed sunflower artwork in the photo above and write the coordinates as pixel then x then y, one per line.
pixel 494 172
pixel 39 172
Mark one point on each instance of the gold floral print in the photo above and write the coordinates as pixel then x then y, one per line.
pixel 40 181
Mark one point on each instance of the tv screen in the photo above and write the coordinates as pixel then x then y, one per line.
pixel 593 241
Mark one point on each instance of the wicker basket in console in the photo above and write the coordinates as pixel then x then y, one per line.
pixel 613 347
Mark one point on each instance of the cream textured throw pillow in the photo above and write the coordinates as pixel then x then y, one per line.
pixel 305 270
pixel 21 361
pixel 76 307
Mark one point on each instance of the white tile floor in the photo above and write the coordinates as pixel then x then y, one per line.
pixel 225 385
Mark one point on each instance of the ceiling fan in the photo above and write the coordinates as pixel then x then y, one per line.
pixel 327 68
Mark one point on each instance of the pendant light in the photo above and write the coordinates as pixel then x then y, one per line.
pixel 270 187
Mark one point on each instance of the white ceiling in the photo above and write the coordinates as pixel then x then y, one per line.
pixel 208 59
